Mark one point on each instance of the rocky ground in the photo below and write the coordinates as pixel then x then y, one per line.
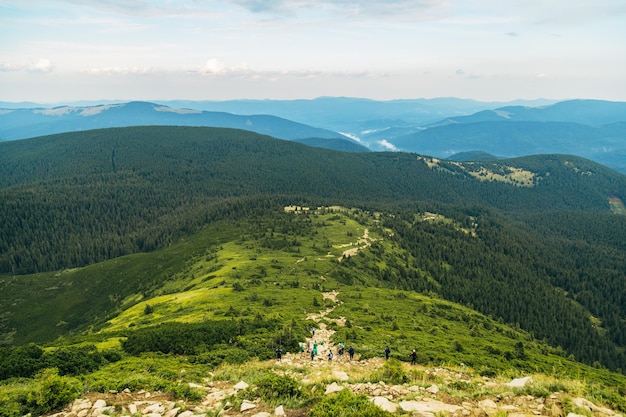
pixel 406 399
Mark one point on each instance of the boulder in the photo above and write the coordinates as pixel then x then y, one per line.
pixel 332 388
pixel 247 405
pixel 241 385
pixel 280 411
pixel 520 382
pixel 433 389
pixel 385 404
pixel 340 375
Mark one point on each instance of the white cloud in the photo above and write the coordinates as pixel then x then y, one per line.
pixel 387 145
pixel 121 71
pixel 43 65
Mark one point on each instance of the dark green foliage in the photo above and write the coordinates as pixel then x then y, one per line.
pixel 49 392
pixel 218 356
pixel 347 404
pixel 181 338
pixel 25 361
pixel 56 192
pixel 392 372
pixel 274 388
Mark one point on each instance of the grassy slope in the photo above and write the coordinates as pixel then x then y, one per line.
pixel 194 281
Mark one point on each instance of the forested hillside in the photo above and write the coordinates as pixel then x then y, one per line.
pixel 536 242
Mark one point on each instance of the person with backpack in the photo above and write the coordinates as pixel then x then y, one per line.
pixel 279 353
pixel 387 352
pixel 351 352
pixel 413 357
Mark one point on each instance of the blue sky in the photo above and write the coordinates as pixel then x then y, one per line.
pixel 489 50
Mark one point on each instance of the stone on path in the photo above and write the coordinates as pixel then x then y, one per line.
pixel 520 382
pixel 332 388
pixel 241 385
pixel 385 404
pixel 280 411
pixel 340 375
pixel 247 405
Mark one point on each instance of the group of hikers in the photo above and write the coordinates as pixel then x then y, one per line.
pixel 313 351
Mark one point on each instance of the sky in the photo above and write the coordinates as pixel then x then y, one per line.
pixel 55 51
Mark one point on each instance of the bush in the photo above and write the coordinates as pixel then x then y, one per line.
pixel 52 391
pixel 391 372
pixel 347 404
pixel 272 388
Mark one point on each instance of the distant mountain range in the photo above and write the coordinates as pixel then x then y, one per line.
pixel 589 128
pixel 440 127
pixel 30 122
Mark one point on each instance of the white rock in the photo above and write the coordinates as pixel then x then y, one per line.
pixel 332 388
pixel 262 414
pixel 280 411
pixel 81 405
pixel 153 415
pixel 241 385
pixel 186 414
pixel 132 408
pixel 487 405
pixel 520 382
pixel 574 415
pixel 433 389
pixel 155 408
pixel 99 404
pixel 385 404
pixel 340 375
pixel 429 406
pixel 172 413
pixel 247 405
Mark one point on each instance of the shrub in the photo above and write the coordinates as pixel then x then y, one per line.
pixel 391 372
pixel 347 404
pixel 52 391
pixel 272 387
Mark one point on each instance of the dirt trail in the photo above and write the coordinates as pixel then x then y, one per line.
pixel 320 335
pixel 361 243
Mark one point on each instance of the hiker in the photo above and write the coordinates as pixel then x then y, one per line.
pixel 340 350
pixel 312 354
pixel 413 357
pixel 387 352
pixel 351 352
pixel 279 353
pixel 330 355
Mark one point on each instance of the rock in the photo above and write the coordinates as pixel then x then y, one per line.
pixel 520 382
pixel 280 411
pixel 247 405
pixel 340 375
pixel 241 385
pixel 398 391
pixel 332 388
pixel 385 404
pixel 429 406
pixel 487 405
pixel 155 408
pixel 186 414
pixel 433 389
pixel 262 414
pixel 132 408
pixel 79 405
pixel 574 415
pixel 172 413
pixel 99 404
pixel 153 415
